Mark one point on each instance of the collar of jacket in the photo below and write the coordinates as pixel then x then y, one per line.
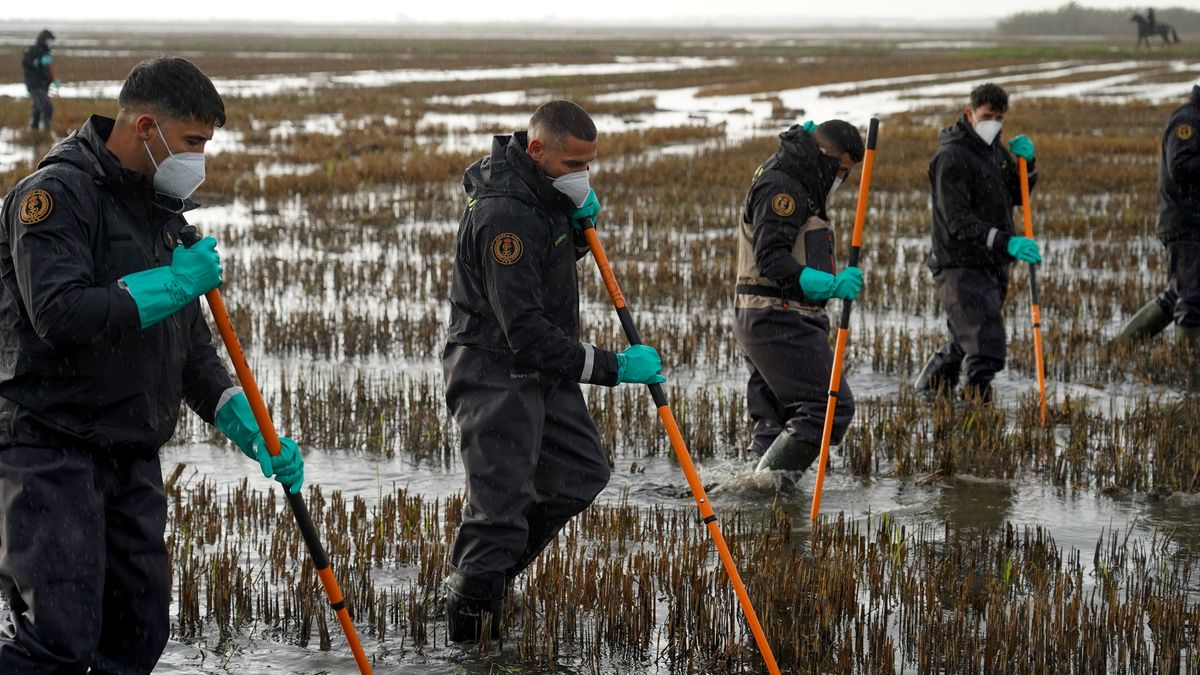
pixel 801 158
pixel 525 170
pixel 963 132
pixel 86 150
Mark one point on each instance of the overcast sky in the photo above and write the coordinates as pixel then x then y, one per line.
pixel 755 12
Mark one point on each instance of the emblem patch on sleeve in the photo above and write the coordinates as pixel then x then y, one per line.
pixel 783 205
pixel 1185 132
pixel 36 207
pixel 507 248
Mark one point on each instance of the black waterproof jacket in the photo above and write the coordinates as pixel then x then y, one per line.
pixel 1179 174
pixel 514 292
pixel 37 75
pixel 800 176
pixel 75 368
pixel 974 188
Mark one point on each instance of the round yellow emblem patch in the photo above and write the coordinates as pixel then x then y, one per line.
pixel 783 205
pixel 1185 132
pixel 507 248
pixel 36 207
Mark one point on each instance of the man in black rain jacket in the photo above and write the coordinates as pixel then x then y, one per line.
pixel 513 360
pixel 1178 229
pixel 37 66
pixel 785 276
pixel 975 185
pixel 101 339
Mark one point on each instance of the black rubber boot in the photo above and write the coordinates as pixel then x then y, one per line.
pixel 939 377
pixel 1149 321
pixel 473 603
pixel 978 392
pixel 788 453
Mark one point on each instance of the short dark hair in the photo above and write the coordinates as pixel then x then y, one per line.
pixel 989 94
pixel 843 136
pixel 173 86
pixel 559 119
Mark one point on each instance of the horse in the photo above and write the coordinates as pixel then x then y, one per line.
pixel 1146 30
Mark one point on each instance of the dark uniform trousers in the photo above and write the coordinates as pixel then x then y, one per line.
pixel 790 363
pixel 42 110
pixel 532 455
pixel 973 298
pixel 1181 299
pixel 83 564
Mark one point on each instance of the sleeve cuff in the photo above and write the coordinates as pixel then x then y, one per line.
pixel 997 240
pixel 599 366
pixel 225 397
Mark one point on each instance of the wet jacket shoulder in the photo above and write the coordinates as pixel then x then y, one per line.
pixel 74 365
pixel 788 190
pixel 974 188
pixel 1179 174
pixel 515 292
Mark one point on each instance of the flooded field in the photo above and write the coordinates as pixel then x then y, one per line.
pixel 952 540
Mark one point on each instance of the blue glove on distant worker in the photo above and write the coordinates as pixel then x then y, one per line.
pixel 1021 146
pixel 236 420
pixel 809 127
pixel 590 209
pixel 159 292
pixel 640 365
pixel 1025 250
pixel 818 285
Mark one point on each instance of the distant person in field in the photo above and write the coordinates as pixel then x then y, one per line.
pixel 1179 231
pixel 785 277
pixel 1150 20
pixel 975 185
pixel 102 338
pixel 37 65
pixel 513 361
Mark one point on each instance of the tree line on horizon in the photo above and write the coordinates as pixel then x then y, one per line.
pixel 1075 19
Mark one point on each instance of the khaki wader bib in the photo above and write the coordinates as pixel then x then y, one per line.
pixel 754 291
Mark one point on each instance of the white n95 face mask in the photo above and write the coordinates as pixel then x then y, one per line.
pixel 574 185
pixel 988 130
pixel 179 174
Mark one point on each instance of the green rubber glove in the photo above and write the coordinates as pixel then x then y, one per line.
pixel 236 420
pixel 1021 146
pixel 809 127
pixel 590 209
pixel 1025 250
pixel 848 284
pixel 817 285
pixel 162 291
pixel 640 365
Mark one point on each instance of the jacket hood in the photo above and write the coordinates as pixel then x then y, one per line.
pixel 801 158
pixel 86 150
pixel 43 37
pixel 509 172
pixel 963 132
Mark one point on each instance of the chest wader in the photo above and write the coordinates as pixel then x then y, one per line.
pixel 765 314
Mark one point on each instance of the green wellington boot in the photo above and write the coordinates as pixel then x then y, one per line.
pixel 1149 321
